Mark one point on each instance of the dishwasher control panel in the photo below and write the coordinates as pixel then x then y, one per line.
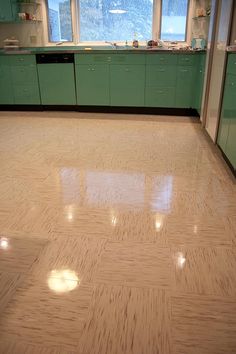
pixel 51 58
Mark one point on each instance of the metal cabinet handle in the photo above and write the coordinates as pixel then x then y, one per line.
pixel 184 71
pixel 159 91
pixel 93 69
pixel 161 70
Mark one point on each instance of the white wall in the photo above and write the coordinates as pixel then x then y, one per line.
pixel 29 34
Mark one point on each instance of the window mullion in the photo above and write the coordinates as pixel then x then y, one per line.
pixel 156 25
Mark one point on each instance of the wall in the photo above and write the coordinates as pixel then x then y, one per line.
pixel 29 34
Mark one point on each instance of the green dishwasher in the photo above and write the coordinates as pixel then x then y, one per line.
pixel 56 78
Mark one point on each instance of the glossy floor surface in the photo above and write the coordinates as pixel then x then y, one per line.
pixel 118 236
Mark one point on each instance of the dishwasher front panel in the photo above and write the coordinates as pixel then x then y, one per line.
pixel 57 83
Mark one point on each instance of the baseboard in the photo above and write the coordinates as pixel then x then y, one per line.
pixel 104 109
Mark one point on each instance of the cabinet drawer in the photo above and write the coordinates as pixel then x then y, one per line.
pixel 231 67
pixel 160 97
pixel 26 94
pixel 159 75
pixel 24 74
pixel 127 75
pixel 162 59
pixel 132 59
pixel 23 59
pixel 87 59
pixel 186 59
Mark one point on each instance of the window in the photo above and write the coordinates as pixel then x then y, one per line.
pixel 174 20
pixel 59 20
pixel 115 20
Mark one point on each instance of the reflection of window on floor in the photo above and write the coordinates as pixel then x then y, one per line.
pixel 162 194
pixel 59 17
pixel 115 188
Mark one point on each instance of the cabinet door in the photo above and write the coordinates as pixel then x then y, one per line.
pixel 127 85
pixel 92 84
pixel 6 11
pixel 161 75
pixel 6 92
pixel 227 131
pixel 160 97
pixel 26 94
pixel 57 84
pixel 185 85
pixel 228 110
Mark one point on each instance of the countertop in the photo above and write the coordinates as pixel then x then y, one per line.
pixel 84 50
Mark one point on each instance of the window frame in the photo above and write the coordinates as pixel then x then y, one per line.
pixel 75 25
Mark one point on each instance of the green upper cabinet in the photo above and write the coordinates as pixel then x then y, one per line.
pixel 6 89
pixel 127 85
pixel 57 84
pixel 227 129
pixel 8 10
pixel 92 84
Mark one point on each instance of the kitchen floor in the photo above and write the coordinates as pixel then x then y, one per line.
pixel 118 236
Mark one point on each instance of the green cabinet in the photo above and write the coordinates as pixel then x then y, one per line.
pixel 199 82
pixel 24 79
pixel 227 128
pixel 184 87
pixel 6 11
pixel 160 80
pixel 127 85
pixel 92 83
pixel 6 89
pixel 57 83
pixel 116 79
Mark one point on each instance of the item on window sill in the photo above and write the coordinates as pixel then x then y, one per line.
pixel 201 12
pixel 198 43
pixel 22 16
pixel 152 43
pixel 11 43
pixel 135 43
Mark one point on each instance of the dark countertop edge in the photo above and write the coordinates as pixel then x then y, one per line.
pixel 101 51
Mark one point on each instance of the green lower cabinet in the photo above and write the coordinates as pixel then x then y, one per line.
pixel 227 130
pixel 57 84
pixel 6 89
pixel 231 142
pixel 25 84
pixel 184 87
pixel 92 85
pixel 127 85
pixel 26 94
pixel 160 97
pixel 161 75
